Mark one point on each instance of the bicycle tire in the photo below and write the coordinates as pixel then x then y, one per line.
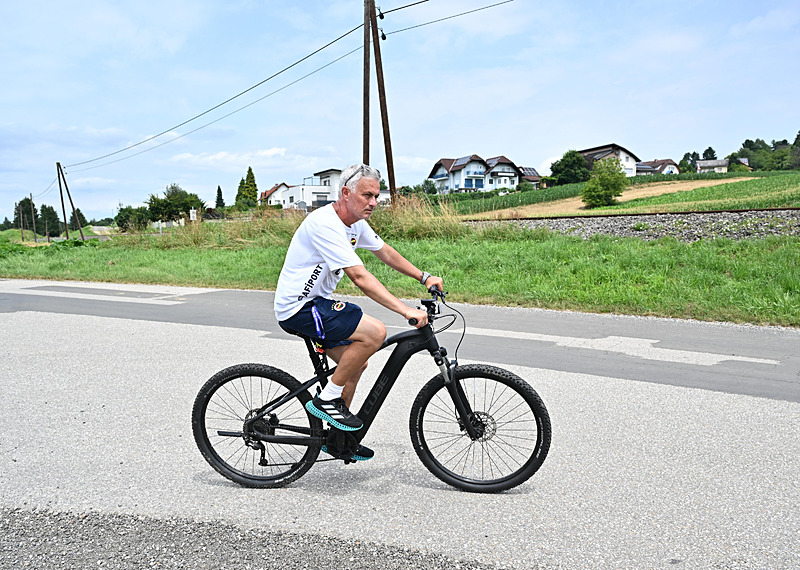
pixel 513 420
pixel 223 404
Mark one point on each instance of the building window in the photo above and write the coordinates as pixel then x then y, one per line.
pixel 291 199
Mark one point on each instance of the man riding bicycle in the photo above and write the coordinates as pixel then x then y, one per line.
pixel 321 251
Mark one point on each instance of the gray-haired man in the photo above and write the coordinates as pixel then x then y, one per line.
pixel 321 251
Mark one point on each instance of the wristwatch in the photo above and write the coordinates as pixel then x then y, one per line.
pixel 424 277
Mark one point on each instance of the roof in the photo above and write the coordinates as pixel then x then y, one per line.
pixel 529 172
pixel 455 164
pixel 658 164
pixel 328 171
pixel 462 162
pixel 267 193
pixel 712 163
pixel 600 152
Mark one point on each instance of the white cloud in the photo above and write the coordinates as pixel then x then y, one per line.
pixel 776 21
pixel 231 161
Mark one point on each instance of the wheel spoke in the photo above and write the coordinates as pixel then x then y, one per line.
pixel 509 447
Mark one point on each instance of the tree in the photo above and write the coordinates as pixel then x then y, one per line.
pixel 709 154
pixel 175 204
pixel 796 142
pixel 429 186
pixel 80 222
pixel 51 224
pixel 220 203
pixel 607 181
pixel 25 208
pixel 129 218
pixel 691 158
pixel 6 225
pixel 247 195
pixel 572 167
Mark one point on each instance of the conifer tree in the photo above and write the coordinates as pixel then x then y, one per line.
pixel 240 194
pixel 251 189
pixel 220 202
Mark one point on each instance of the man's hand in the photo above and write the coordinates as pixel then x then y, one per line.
pixel 434 281
pixel 421 316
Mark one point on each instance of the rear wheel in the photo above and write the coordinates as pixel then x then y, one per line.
pixel 511 420
pixel 234 445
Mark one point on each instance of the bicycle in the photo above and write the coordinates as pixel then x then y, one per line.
pixel 476 427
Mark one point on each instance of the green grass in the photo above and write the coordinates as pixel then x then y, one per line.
pixel 753 281
pixel 776 191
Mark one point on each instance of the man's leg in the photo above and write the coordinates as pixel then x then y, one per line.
pixel 352 359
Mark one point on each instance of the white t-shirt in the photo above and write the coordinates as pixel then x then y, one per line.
pixel 321 248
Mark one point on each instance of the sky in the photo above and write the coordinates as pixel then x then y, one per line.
pixel 528 80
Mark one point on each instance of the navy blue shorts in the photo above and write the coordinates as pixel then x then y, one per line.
pixel 328 322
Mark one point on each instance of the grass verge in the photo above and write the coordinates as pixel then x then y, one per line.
pixel 747 281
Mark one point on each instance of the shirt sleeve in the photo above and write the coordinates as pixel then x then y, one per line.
pixel 367 238
pixel 332 245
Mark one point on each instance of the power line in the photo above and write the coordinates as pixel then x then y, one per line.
pixel 450 17
pixel 403 7
pixel 261 98
pixel 220 104
pixel 46 190
pixel 224 116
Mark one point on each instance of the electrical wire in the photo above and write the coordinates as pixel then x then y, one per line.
pixel 46 190
pixel 224 116
pixel 448 17
pixel 148 139
pixel 403 7
pixel 274 75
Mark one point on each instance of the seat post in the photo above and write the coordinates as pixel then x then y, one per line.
pixel 319 360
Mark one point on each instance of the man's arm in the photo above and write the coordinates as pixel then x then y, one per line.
pixel 391 257
pixel 375 290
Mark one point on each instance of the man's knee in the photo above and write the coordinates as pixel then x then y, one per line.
pixel 370 331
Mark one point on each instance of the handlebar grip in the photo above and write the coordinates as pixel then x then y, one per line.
pixel 412 322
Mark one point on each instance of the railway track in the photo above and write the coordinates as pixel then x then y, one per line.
pixel 683 226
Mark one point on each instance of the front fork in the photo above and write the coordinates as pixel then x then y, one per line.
pixel 465 414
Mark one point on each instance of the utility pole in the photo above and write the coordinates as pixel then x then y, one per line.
pixel 365 142
pixel 71 203
pixel 61 191
pixel 387 141
pixel 19 217
pixel 33 220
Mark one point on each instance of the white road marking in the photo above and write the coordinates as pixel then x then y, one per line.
pixel 90 297
pixel 162 295
pixel 630 346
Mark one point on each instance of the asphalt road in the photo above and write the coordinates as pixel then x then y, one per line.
pixel 675 443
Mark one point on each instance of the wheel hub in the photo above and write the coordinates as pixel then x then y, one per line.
pixel 485 425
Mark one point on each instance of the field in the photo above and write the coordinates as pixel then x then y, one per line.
pixel 754 281
pixel 574 206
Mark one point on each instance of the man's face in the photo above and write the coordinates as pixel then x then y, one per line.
pixel 363 198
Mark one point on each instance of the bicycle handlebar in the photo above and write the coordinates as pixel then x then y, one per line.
pixel 435 293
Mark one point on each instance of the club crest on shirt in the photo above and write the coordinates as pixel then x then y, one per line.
pixel 353 241
pixel 338 306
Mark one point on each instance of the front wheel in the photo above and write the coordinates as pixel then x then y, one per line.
pixel 511 421
pixel 250 431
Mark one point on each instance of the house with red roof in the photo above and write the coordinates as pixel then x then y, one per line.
pixel 626 158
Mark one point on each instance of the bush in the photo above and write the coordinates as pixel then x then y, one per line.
pixel 608 181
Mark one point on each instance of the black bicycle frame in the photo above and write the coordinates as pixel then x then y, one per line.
pixel 407 344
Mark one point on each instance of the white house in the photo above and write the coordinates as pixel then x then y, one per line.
pixel 626 158
pixel 324 188
pixel 713 165
pixel 665 166
pixel 474 174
